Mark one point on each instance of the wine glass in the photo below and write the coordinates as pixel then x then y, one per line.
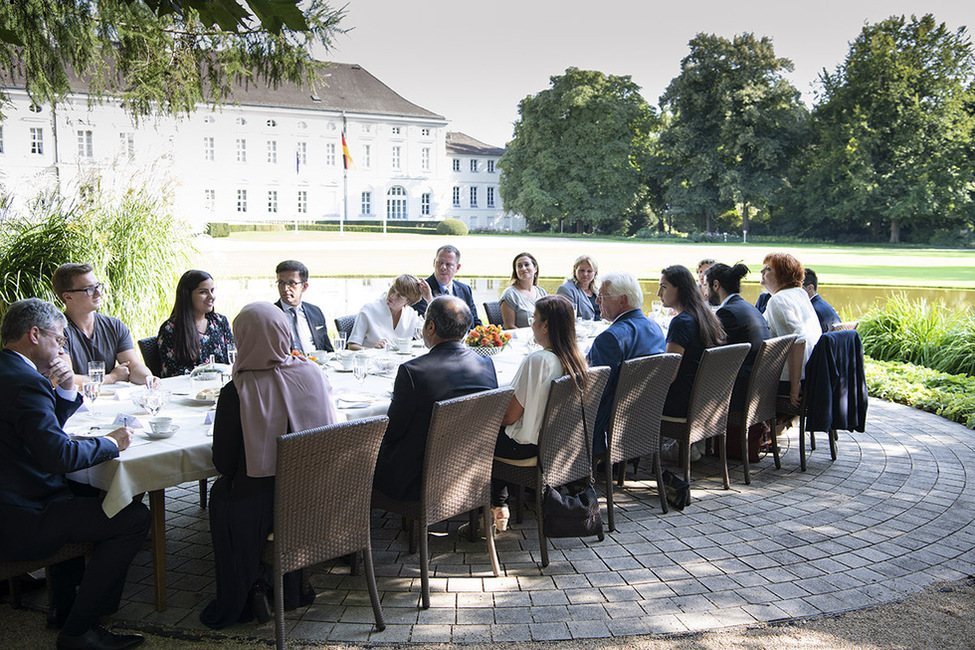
pixel 96 371
pixel 91 390
pixel 360 367
pixel 153 401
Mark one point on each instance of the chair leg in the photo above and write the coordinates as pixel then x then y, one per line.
pixel 203 493
pixel 685 454
pixel 833 437
pixel 812 440
pixel 488 520
pixel 519 503
pixel 472 526
pixel 353 559
pixel 802 443
pixel 723 455
pixel 282 644
pixel 775 444
pixel 659 472
pixel 412 534
pixel 621 474
pixel 424 568
pixel 377 609
pixel 539 515
pixel 609 491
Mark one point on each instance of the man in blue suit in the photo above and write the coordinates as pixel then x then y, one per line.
pixel 38 511
pixel 630 335
pixel 827 315
pixel 309 331
pixel 450 369
pixel 442 282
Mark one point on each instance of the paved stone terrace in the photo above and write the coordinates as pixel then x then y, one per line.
pixel 893 514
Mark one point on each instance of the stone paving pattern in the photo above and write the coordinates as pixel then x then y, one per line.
pixel 892 514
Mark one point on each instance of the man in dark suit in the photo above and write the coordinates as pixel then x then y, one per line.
pixel 38 511
pixel 630 335
pixel 827 315
pixel 450 369
pixel 308 328
pixel 442 283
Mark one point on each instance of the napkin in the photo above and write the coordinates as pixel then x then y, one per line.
pixel 208 418
pixel 125 420
pixel 122 393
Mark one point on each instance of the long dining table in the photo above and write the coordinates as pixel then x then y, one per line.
pixel 149 466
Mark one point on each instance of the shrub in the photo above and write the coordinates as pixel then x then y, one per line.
pixel 454 227
pixel 950 396
pixel 215 229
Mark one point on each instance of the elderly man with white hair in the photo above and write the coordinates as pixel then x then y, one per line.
pixel 630 335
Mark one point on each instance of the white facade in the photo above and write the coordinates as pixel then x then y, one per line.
pixel 257 162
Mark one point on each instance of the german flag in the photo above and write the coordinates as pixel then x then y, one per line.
pixel 346 157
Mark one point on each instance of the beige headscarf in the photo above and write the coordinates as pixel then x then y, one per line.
pixel 275 387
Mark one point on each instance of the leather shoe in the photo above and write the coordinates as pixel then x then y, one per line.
pixel 56 616
pixel 98 638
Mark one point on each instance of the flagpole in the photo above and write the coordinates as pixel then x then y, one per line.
pixel 345 180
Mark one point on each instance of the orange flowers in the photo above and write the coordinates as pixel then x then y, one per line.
pixel 487 336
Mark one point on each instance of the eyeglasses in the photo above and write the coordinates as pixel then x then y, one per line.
pixel 604 296
pixel 91 291
pixel 290 283
pixel 60 340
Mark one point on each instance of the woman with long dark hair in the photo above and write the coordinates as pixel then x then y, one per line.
pixel 555 331
pixel 194 331
pixel 518 300
pixel 694 329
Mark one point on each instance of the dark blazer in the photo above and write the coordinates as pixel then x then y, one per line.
pixel 316 323
pixel 835 383
pixel 762 301
pixel 827 315
pixel 743 323
pixel 630 336
pixel 461 290
pixel 35 453
pixel 449 370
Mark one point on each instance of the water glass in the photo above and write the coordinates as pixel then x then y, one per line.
pixel 338 344
pixel 96 371
pixel 360 368
pixel 153 401
pixel 91 390
pixel 231 354
pixel 344 339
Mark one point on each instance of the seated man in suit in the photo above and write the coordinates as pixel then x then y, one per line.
pixel 827 315
pixel 92 336
pixel 442 283
pixel 308 329
pixel 630 335
pixel 450 369
pixel 38 511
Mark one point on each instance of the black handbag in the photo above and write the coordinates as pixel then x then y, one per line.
pixel 678 490
pixel 573 514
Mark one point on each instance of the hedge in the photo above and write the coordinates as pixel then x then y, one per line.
pixel 950 396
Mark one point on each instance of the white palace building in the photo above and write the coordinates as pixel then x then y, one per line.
pixel 272 156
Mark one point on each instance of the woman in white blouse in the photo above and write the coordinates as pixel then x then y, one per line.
pixel 391 317
pixel 555 331
pixel 789 311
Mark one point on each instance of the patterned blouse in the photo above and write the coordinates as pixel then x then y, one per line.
pixel 215 341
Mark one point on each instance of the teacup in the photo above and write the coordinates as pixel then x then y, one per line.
pixel 162 427
pixel 346 359
pixel 403 344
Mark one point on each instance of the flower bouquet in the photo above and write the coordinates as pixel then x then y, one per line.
pixel 487 340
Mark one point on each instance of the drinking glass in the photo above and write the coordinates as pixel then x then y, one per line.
pixel 91 390
pixel 338 344
pixel 152 383
pixel 231 354
pixel 359 368
pixel 657 306
pixel 96 371
pixel 153 401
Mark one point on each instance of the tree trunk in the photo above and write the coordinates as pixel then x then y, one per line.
pixel 707 221
pixel 744 218
pixel 579 228
pixel 895 231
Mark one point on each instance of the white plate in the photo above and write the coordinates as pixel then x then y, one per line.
pixel 193 398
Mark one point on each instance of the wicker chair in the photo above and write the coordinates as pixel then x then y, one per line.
pixel 634 425
pixel 149 347
pixel 562 442
pixel 323 482
pixel 493 312
pixel 13 570
pixel 345 324
pixel 456 471
pixel 846 325
pixel 707 412
pixel 760 395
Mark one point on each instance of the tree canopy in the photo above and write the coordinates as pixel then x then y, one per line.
pixel 576 152
pixel 894 132
pixel 161 55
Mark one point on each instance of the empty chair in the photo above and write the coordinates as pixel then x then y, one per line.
pixel 456 471
pixel 707 411
pixel 760 394
pixel 563 443
pixel 13 570
pixel 323 484
pixel 493 312
pixel 344 324
pixel 149 347
pixel 634 424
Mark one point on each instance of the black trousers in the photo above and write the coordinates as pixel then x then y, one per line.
pixel 506 447
pixel 30 534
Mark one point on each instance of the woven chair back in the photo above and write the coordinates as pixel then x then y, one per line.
pixel 460 451
pixel 634 428
pixel 563 440
pixel 149 347
pixel 345 323
pixel 493 312
pixel 847 325
pixel 322 491
pixel 707 412
pixel 763 383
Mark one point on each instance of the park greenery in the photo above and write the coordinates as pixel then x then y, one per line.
pixel 161 55
pixel 886 153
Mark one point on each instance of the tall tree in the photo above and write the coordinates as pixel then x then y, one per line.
pixel 160 55
pixel 736 125
pixel 894 130
pixel 576 152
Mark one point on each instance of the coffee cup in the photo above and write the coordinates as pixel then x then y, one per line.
pixel 162 426
pixel 346 359
pixel 404 344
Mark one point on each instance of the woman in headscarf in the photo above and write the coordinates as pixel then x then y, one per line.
pixel 272 393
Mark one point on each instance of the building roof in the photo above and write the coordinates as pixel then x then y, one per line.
pixel 461 143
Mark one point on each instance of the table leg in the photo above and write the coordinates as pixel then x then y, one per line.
pixel 157 506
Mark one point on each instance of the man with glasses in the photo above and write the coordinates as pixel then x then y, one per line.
pixel 93 336
pixel 308 328
pixel 446 263
pixel 39 512
pixel 630 335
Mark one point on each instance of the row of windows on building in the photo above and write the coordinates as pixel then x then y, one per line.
pixel 473 197
pixel 301 124
pixel 474 165
pixel 86 147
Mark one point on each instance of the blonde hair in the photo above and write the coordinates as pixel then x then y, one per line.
pixel 407 286
pixel 593 286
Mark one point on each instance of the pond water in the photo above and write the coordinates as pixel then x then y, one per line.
pixel 340 296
